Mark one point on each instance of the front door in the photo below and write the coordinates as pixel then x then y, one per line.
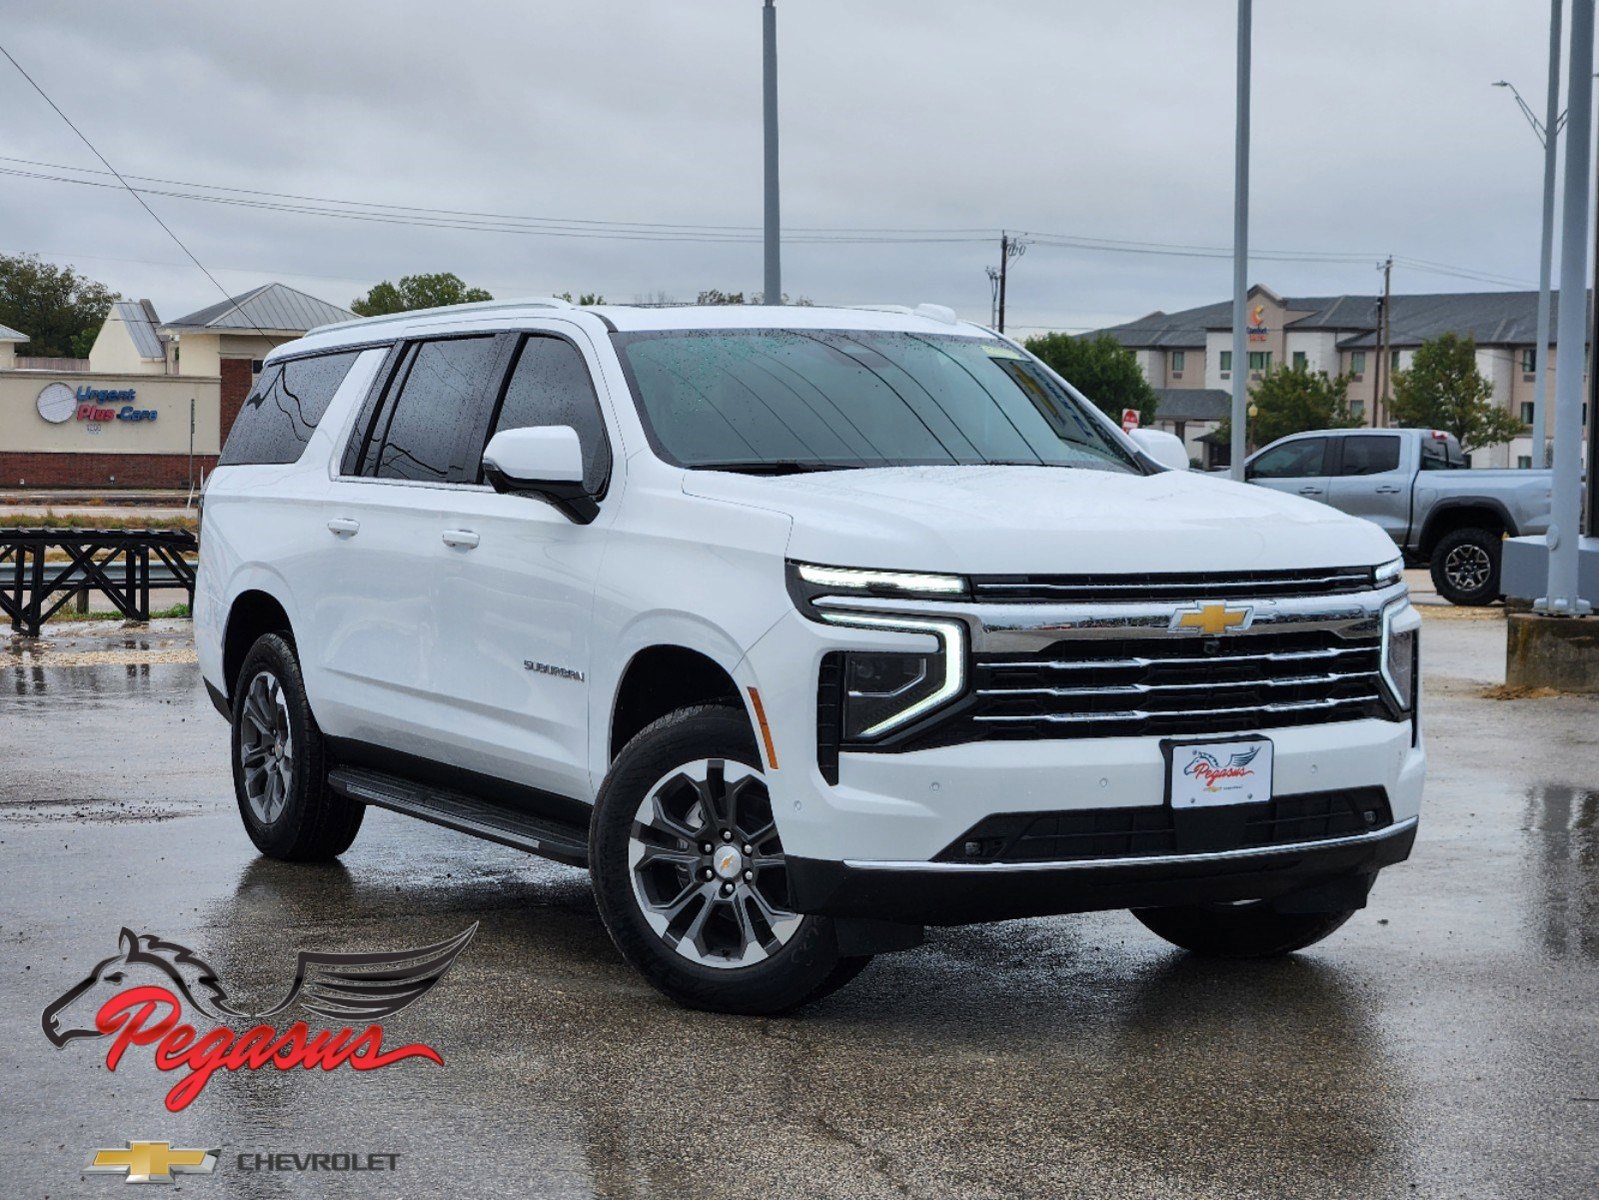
pixel 1297 466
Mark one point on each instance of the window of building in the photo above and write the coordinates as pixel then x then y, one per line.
pixel 1370 455
pixel 1526 412
pixel 281 412
pixel 1226 361
pixel 255 366
pixel 1393 360
pixel 1260 360
pixel 1178 361
pixel 1357 363
pixel 1300 361
pixel 419 436
pixel 1529 360
pixel 1523 462
pixel 1357 409
pixel 550 385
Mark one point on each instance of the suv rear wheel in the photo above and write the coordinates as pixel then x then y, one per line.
pixel 1465 566
pixel 279 770
pixel 689 872
pixel 1251 930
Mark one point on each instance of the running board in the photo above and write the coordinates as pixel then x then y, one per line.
pixel 466 814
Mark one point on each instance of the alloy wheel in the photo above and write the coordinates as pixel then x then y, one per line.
pixel 707 865
pixel 1467 567
pixel 266 747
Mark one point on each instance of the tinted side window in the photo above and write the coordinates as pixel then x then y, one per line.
pixel 419 434
pixel 1304 457
pixel 550 385
pixel 1370 455
pixel 1438 454
pixel 281 412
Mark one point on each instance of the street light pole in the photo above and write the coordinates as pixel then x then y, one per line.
pixel 1561 597
pixel 1240 380
pixel 774 268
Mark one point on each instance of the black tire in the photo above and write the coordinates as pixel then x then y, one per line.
pixel 804 967
pixel 293 816
pixel 1239 930
pixel 1465 566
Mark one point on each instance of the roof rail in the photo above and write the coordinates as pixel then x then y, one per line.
pixel 475 307
pixel 933 312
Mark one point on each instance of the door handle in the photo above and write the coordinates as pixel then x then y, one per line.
pixel 1310 491
pixel 344 526
pixel 463 539
pixel 1388 489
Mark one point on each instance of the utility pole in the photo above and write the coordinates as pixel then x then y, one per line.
pixel 774 267
pixel 1561 597
pixel 1240 410
pixel 1379 414
pixel 993 295
pixel 1009 248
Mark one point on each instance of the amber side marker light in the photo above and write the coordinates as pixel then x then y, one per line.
pixel 766 732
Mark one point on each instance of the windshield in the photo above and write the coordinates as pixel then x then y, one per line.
pixel 773 400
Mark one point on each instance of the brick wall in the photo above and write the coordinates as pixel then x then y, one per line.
pixel 236 380
pixel 103 470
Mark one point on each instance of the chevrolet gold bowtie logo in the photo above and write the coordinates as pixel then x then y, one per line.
pixel 152 1162
pixel 1211 619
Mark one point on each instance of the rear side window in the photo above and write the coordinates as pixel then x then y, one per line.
pixel 1304 457
pixel 281 413
pixel 1370 455
pixel 1441 454
pixel 550 385
pixel 419 432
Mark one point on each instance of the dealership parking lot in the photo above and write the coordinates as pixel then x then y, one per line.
pixel 1442 1044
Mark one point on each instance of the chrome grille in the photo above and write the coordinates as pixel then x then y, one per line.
pixel 1139 686
pixel 1093 589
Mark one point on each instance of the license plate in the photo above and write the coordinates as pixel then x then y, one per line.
pixel 1203 774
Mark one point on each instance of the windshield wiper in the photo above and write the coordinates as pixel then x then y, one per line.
pixel 777 466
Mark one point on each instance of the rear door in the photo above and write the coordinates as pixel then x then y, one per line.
pixel 1297 466
pixel 1371 479
pixel 383 603
pixel 521 576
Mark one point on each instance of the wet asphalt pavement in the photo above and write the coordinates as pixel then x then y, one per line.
pixel 1442 1044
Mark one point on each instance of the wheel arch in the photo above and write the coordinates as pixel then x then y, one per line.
pixel 1450 515
pixel 662 678
pixel 253 612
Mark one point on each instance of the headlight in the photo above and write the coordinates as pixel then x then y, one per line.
pixel 1400 626
pixel 1389 572
pixel 888 690
pixel 808 582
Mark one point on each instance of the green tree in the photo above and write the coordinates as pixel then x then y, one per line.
pixel 1294 399
pixel 583 300
pixel 715 296
pixel 1102 369
pixel 59 310
pixel 416 291
pixel 1444 390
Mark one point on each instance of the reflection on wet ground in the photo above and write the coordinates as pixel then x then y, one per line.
pixel 1441 1045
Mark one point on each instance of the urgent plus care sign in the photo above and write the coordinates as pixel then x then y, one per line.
pixel 59 403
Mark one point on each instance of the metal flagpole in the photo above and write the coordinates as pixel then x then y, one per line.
pixel 1241 246
pixel 1551 144
pixel 1561 597
pixel 774 269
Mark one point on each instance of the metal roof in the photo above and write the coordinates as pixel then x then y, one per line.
pixel 1192 404
pixel 8 334
pixel 141 322
pixel 1490 318
pixel 270 308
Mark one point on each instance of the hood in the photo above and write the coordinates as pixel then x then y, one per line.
pixel 1047 520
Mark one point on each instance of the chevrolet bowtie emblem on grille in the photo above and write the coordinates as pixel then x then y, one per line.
pixel 1211 619
pixel 152 1162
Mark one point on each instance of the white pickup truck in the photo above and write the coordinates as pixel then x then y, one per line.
pixel 1414 484
pixel 802 629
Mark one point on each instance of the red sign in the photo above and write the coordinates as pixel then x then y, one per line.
pixel 1129 419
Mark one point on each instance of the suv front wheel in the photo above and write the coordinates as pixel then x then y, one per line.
pixel 279 769
pixel 690 877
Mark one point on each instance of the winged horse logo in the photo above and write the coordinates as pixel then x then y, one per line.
pixel 1210 770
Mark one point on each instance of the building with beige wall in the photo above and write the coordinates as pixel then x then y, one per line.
pixel 1187 355
pixel 153 403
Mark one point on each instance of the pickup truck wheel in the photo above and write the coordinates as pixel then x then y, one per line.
pixel 279 770
pixel 1465 567
pixel 689 872
pixel 1239 930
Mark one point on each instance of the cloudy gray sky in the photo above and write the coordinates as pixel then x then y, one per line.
pixel 1376 131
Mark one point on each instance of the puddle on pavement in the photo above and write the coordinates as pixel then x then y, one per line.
pixel 89 811
pixel 1564 822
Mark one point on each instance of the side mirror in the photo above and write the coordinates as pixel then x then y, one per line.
pixel 545 461
pixel 1165 448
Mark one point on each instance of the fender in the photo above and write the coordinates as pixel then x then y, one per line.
pixel 1451 504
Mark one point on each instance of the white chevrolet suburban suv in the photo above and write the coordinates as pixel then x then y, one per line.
pixel 803 629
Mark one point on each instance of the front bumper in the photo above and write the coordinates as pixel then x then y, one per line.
pixel 1310 876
